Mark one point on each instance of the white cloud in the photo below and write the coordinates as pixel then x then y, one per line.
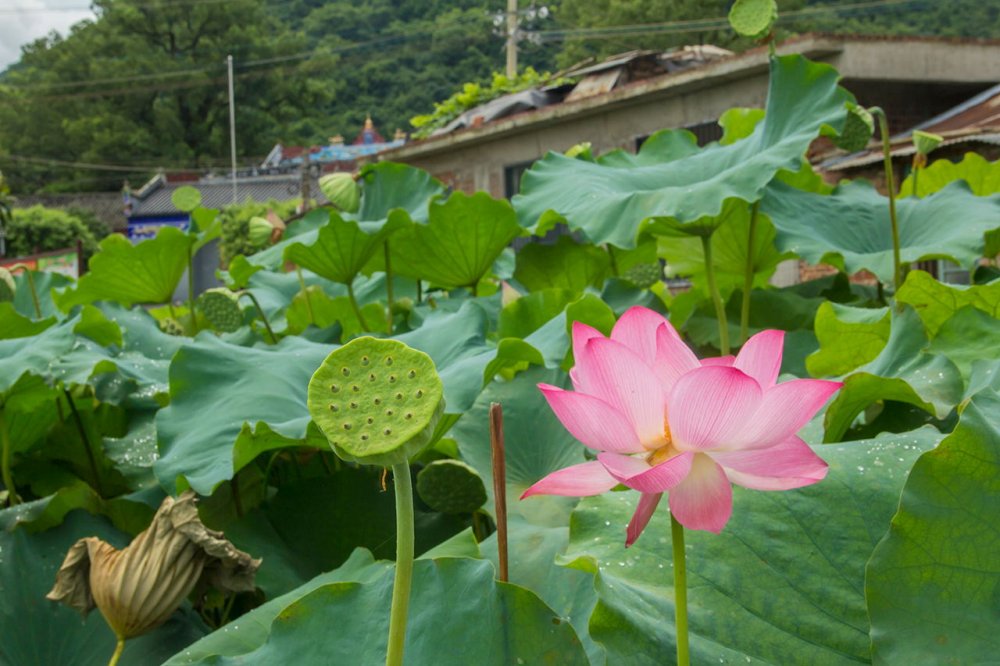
pixel 23 21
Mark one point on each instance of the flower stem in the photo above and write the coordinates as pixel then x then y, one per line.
pixel 357 308
pixel 91 460
pixel 305 292
pixel 916 175
pixel 8 480
pixel 748 276
pixel 388 287
pixel 404 563
pixel 190 272
pixel 263 316
pixel 890 186
pixel 680 593
pixel 118 652
pixel 499 485
pixel 720 309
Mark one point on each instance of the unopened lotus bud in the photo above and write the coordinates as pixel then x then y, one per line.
pixel 581 150
pixel 139 587
pixel 259 231
pixel 925 143
pixel 342 191
pixel 7 286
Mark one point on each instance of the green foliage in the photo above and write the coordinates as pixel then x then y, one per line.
pixel 472 95
pixel 235 220
pixel 42 229
pixel 983 177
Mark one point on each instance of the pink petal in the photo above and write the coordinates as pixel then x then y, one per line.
pixel 790 464
pixel 760 357
pixel 589 478
pixel 726 361
pixel 638 474
pixel 613 373
pixel 592 421
pixel 673 357
pixel 581 333
pixel 710 406
pixel 637 330
pixel 643 512
pixel 704 500
pixel 783 410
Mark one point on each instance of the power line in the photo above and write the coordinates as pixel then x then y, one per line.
pixel 144 5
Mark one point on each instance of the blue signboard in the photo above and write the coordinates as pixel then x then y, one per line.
pixel 143 228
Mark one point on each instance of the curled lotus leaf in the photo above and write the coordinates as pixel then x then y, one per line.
pixel 377 401
pixel 451 486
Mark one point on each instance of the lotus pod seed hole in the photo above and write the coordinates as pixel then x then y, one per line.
pixel 377 401
pixel 347 426
pixel 334 388
pixel 334 408
pixel 409 415
pixel 355 388
pixel 346 371
pixel 387 431
pixel 420 393
pixel 371 377
pixel 392 379
pixel 354 405
pixel 388 360
pixel 412 374
pixel 399 396
pixel 364 438
pixel 389 412
pixel 370 420
pixel 364 360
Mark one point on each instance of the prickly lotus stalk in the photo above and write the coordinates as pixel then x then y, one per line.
pixel 377 401
pixel 451 486
pixel 222 309
pixel 7 286
pixel 341 190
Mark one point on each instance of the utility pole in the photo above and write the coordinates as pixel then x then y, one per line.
pixel 512 24
pixel 232 126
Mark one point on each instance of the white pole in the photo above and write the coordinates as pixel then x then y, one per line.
pixel 232 125
pixel 512 21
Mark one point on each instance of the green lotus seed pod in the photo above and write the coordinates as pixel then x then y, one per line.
pixel 171 326
pixel 259 231
pixel 377 401
pixel 644 276
pixel 451 486
pixel 753 18
pixel 926 142
pixel 221 308
pixel 858 129
pixel 342 191
pixel 7 286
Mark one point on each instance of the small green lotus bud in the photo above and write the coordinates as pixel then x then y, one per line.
pixel 260 231
pixel 7 286
pixel 925 142
pixel 342 191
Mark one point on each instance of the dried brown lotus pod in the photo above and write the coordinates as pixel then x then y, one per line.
pixel 139 587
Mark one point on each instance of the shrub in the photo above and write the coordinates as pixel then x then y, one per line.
pixel 43 229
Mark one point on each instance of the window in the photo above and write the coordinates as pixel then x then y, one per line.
pixel 512 177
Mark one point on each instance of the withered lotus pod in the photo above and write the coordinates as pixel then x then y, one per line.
pixel 139 587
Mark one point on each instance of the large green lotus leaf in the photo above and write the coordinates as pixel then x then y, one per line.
pixel 449 596
pixel 37 632
pixel 609 199
pixel 29 409
pixel 313 307
pixel 127 274
pixel 459 243
pixel 982 176
pixel 565 265
pixel 229 403
pixel 15 325
pixel 43 514
pixel 848 337
pixel 536 443
pixel 34 354
pixel 903 372
pixel 45 283
pixel 521 317
pixel 685 255
pixel 387 187
pixel 936 302
pixel 782 584
pixel 932 581
pixel 850 229
pixel 343 247
pixel 738 123
pixel 968 336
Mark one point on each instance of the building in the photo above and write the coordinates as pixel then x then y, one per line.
pixel 618 103
pixel 336 156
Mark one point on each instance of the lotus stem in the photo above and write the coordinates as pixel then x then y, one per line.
pixel 680 593
pixel 190 272
pixel 305 292
pixel 890 186
pixel 8 480
pixel 118 652
pixel 31 287
pixel 263 316
pixel 713 287
pixel 388 288
pixel 357 308
pixel 91 460
pixel 916 174
pixel 748 276
pixel 499 485
pixel 404 564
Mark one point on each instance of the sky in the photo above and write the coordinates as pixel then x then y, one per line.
pixel 23 21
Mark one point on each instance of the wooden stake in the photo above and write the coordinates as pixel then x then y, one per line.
pixel 499 484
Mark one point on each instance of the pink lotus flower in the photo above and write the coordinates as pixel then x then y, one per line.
pixel 664 422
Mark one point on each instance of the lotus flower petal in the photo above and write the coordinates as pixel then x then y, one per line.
pixel 782 412
pixel 589 478
pixel 709 406
pixel 636 473
pixel 592 421
pixel 790 464
pixel 643 512
pixel 704 499
pixel 760 357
